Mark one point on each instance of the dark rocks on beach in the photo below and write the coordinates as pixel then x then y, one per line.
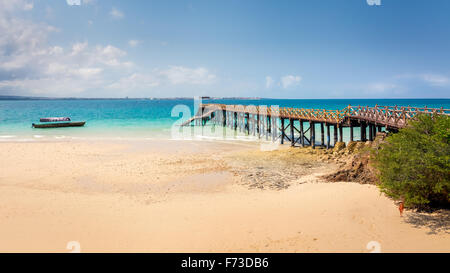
pixel 339 146
pixel 351 146
pixel 272 170
pixel 277 170
pixel 357 166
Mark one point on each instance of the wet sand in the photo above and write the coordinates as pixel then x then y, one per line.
pixel 194 196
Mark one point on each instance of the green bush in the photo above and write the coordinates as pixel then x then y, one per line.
pixel 414 164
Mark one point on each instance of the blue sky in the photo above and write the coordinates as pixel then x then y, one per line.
pixel 277 49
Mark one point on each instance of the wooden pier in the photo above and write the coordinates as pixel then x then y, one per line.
pixel 298 126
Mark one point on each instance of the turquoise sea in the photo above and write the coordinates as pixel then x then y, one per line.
pixel 140 118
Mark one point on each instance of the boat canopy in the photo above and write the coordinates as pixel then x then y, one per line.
pixel 54 119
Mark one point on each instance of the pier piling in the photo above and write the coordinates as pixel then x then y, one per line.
pixel 328 136
pixel 322 135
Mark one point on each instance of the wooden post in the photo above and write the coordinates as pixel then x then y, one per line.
pixel 263 125
pixel 328 136
pixel 351 131
pixel 253 124
pixel 269 127
pixel 232 120
pixel 322 134
pixel 380 128
pixel 235 120
pixel 274 128
pixel 312 134
pixel 227 118
pixel 202 118
pixel 240 122
pixel 370 132
pixel 341 134
pixel 302 134
pixel 224 118
pixel 335 134
pixel 363 131
pixel 247 120
pixel 291 124
pixel 258 125
pixel 282 131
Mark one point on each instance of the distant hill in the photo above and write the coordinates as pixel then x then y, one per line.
pixel 21 98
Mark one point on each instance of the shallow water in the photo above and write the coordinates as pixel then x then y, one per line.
pixel 145 119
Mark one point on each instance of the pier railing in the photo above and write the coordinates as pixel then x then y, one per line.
pixel 392 116
pixel 318 115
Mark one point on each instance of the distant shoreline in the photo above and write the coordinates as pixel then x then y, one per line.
pixel 209 98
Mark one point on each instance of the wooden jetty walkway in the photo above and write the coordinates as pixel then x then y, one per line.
pixel 288 124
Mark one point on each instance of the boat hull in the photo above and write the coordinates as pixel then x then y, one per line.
pixel 60 124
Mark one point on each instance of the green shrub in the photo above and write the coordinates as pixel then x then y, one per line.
pixel 414 164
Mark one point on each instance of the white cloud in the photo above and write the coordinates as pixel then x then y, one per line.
pixel 290 80
pixel 185 75
pixel 133 43
pixel 432 79
pixel 28 6
pixel 110 55
pixel 73 2
pixel 174 75
pixel 11 5
pixel 135 81
pixel 21 41
pixel 381 87
pixel 78 48
pixel 116 14
pixel 269 82
pixel 29 65
pixel 435 79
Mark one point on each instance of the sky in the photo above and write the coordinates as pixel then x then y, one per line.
pixel 225 48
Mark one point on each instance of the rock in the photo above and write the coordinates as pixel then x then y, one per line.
pixel 339 146
pixel 356 169
pixel 358 147
pixel 351 146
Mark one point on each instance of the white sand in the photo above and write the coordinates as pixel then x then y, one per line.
pixel 173 196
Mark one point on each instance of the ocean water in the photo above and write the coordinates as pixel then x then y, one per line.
pixel 143 118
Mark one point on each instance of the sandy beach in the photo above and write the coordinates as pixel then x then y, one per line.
pixel 195 196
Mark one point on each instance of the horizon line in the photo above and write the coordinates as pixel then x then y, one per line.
pixel 13 97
